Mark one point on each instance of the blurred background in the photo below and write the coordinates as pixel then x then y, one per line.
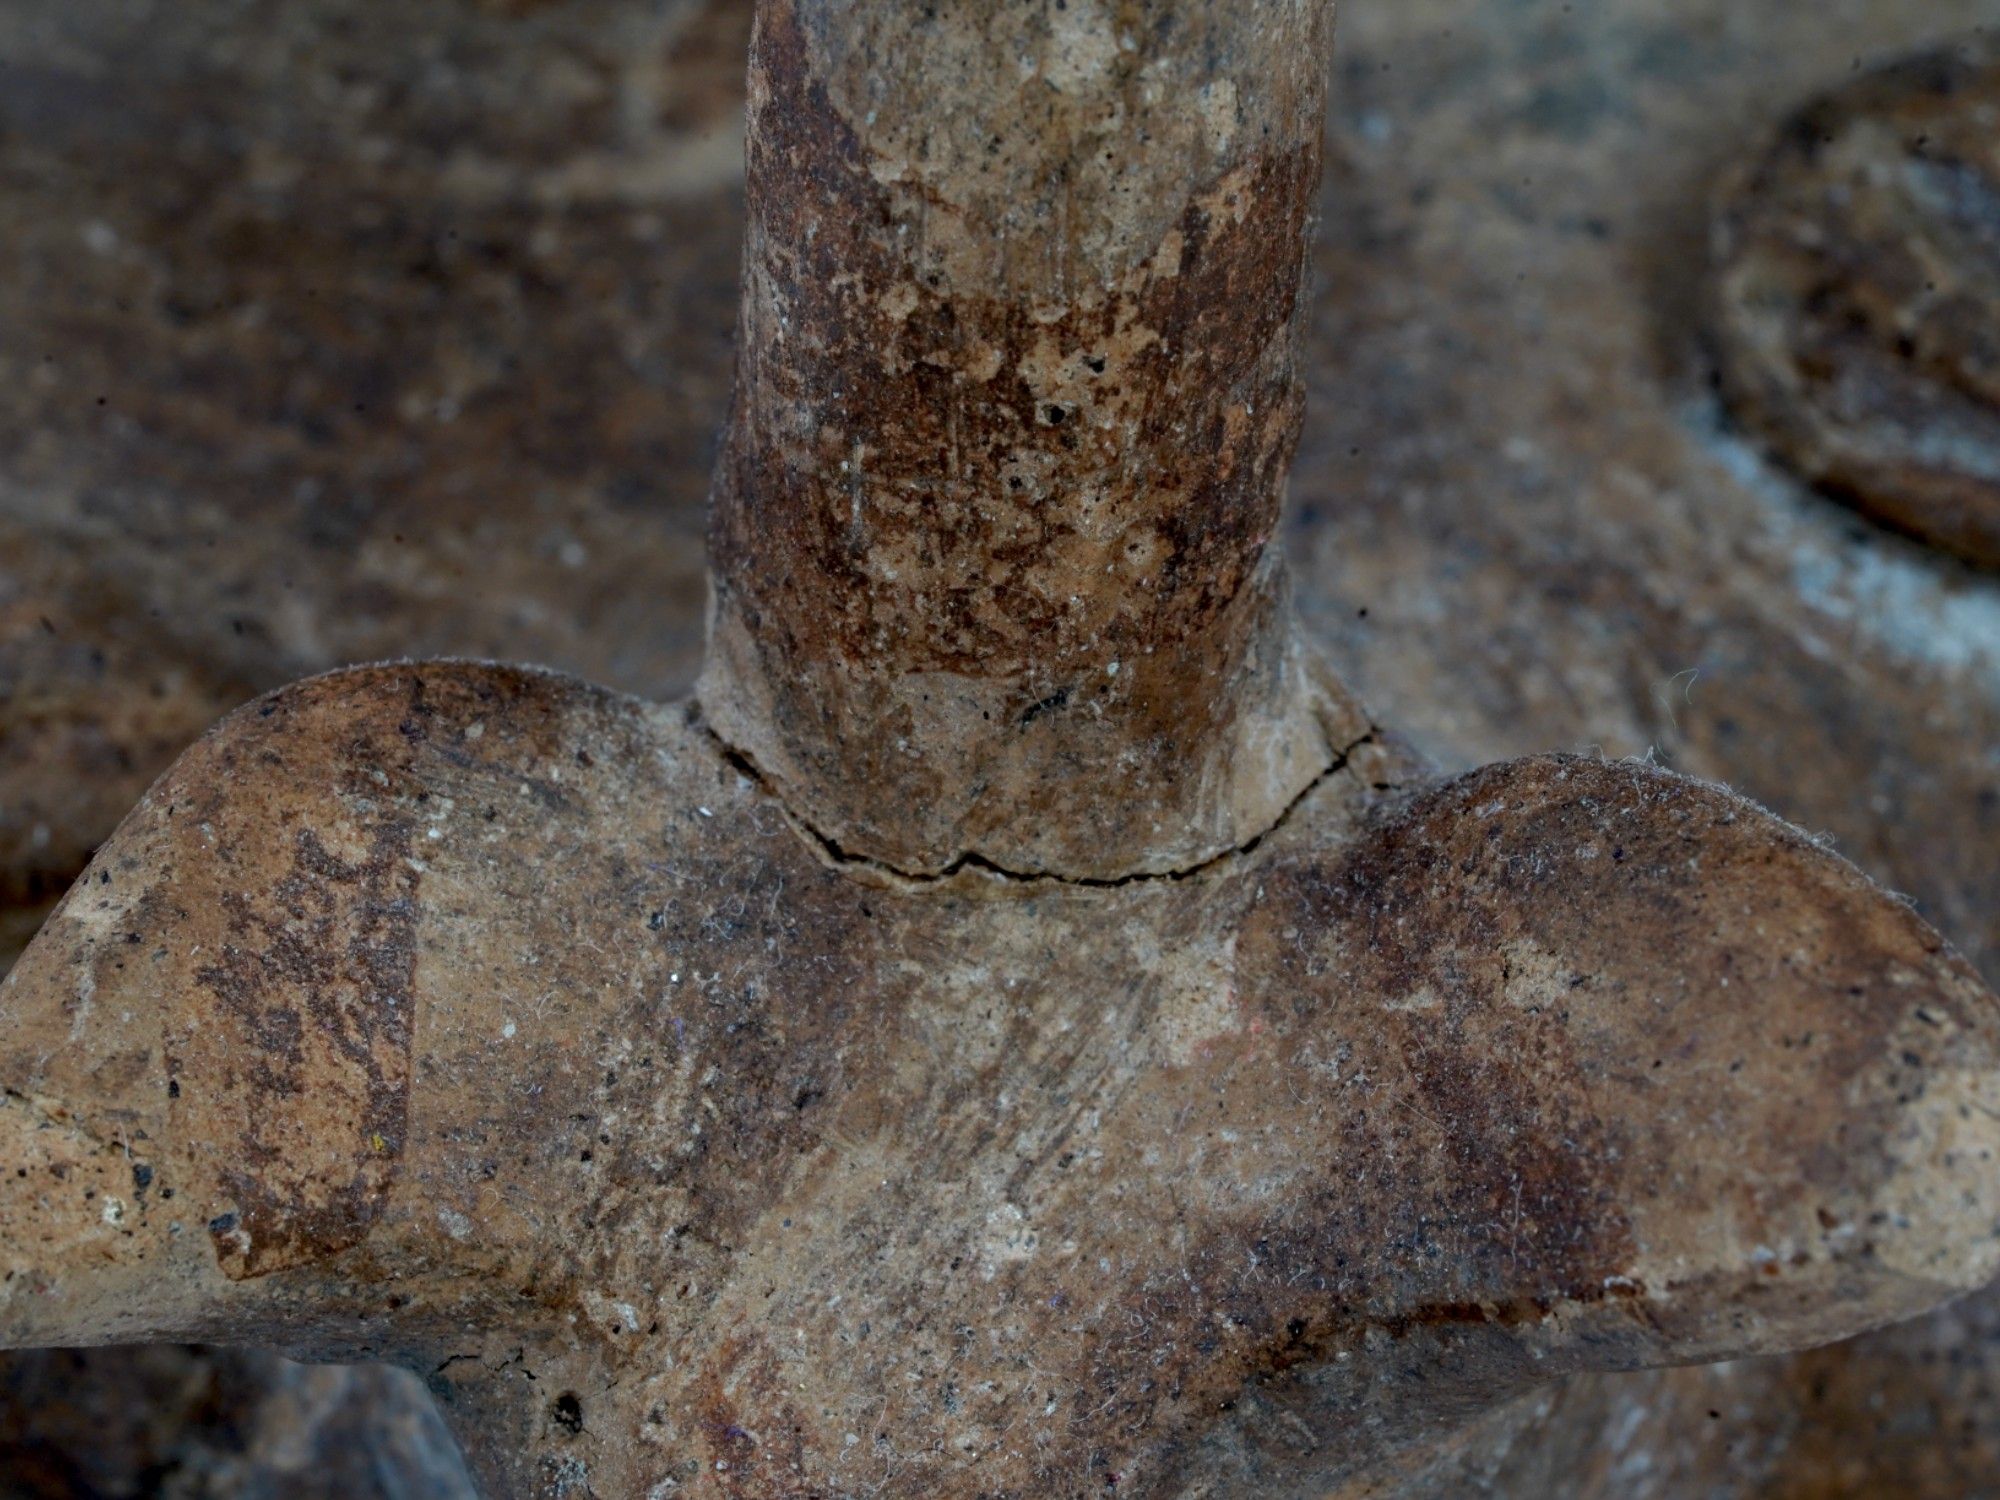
pixel 1655 410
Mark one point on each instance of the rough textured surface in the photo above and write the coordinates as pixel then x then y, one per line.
pixel 1020 364
pixel 280 282
pixel 1256 1175
pixel 1518 521
pixel 1522 518
pixel 1858 295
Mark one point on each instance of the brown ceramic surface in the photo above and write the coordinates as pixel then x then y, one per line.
pixel 1514 468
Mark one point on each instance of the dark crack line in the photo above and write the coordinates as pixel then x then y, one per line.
pixel 833 854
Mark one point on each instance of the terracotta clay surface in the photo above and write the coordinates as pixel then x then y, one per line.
pixel 1235 1158
pixel 1017 397
pixel 294 376
pixel 1827 659
pixel 1523 517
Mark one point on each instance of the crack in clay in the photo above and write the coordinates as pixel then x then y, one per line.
pixel 834 856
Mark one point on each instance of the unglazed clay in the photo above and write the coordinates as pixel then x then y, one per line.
pixel 831 1169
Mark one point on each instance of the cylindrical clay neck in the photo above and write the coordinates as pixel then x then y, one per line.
pixel 1016 398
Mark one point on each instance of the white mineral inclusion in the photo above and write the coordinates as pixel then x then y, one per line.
pixel 1009 1239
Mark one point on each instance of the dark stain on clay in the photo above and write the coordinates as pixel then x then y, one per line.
pixel 328 955
pixel 1360 1270
pixel 895 421
pixel 1061 438
pixel 302 1060
pixel 316 977
pixel 1225 1148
